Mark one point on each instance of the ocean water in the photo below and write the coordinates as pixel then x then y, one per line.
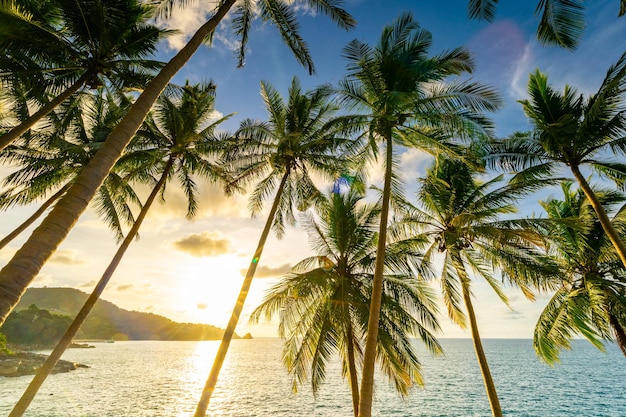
pixel 150 378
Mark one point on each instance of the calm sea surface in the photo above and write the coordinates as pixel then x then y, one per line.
pixel 166 378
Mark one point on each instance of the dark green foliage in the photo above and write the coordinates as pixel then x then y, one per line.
pixel 591 298
pixel 35 327
pixel 3 345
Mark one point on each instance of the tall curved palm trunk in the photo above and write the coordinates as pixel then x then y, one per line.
pixel 41 210
pixel 354 378
pixel 369 357
pixel 17 275
pixel 211 381
pixel 490 386
pixel 61 346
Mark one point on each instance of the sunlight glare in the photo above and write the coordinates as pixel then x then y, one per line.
pixel 207 288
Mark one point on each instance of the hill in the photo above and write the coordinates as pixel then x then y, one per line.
pixel 108 321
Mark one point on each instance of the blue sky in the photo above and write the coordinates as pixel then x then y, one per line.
pixel 191 270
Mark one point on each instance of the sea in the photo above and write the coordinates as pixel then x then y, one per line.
pixel 156 378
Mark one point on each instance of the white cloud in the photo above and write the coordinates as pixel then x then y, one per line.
pixel 264 271
pixel 67 257
pixel 203 244
pixel 413 164
pixel 521 69
pixel 186 20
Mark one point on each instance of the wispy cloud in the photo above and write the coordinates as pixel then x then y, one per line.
pixel 67 257
pixel 124 287
pixel 203 244
pixel 212 201
pixel 519 78
pixel 264 271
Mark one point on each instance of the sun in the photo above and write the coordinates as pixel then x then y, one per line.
pixel 208 287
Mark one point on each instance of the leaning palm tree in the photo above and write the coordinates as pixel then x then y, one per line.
pixel 68 45
pixel 323 304
pixel 591 298
pixel 573 132
pixel 19 272
pixel 178 139
pixel 298 140
pixel 49 162
pixel 460 217
pixel 408 103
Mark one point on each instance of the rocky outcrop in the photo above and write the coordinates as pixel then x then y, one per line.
pixel 27 363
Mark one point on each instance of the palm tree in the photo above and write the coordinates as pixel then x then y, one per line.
pixel 50 162
pixel 323 305
pixel 67 45
pixel 180 140
pixel 408 103
pixel 591 298
pixel 561 22
pixel 19 272
pixel 459 216
pixel 572 131
pixel 299 139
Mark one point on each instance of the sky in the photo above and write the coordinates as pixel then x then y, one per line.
pixel 191 270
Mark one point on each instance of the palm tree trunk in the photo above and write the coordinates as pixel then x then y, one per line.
pixel 41 210
pixel 619 245
pixel 55 355
pixel 354 380
pixel 369 357
pixel 211 381
pixel 17 275
pixel 490 387
pixel 618 330
pixel 17 131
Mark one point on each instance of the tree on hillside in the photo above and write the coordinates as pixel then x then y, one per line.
pixel 461 219
pixel 591 298
pixel 561 22
pixel 178 139
pixel 323 305
pixel 574 132
pixel 19 272
pixel 407 103
pixel 279 156
pixel 58 47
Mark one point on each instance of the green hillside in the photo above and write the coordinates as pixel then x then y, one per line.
pixel 107 321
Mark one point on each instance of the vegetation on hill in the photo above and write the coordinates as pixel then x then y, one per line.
pixel 3 345
pixel 35 327
pixel 106 321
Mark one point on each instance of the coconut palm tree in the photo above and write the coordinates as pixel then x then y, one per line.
pixel 561 22
pixel 19 272
pixel 68 45
pixel 279 155
pixel 323 305
pixel 591 298
pixel 408 103
pixel 460 217
pixel 49 162
pixel 180 140
pixel 573 132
